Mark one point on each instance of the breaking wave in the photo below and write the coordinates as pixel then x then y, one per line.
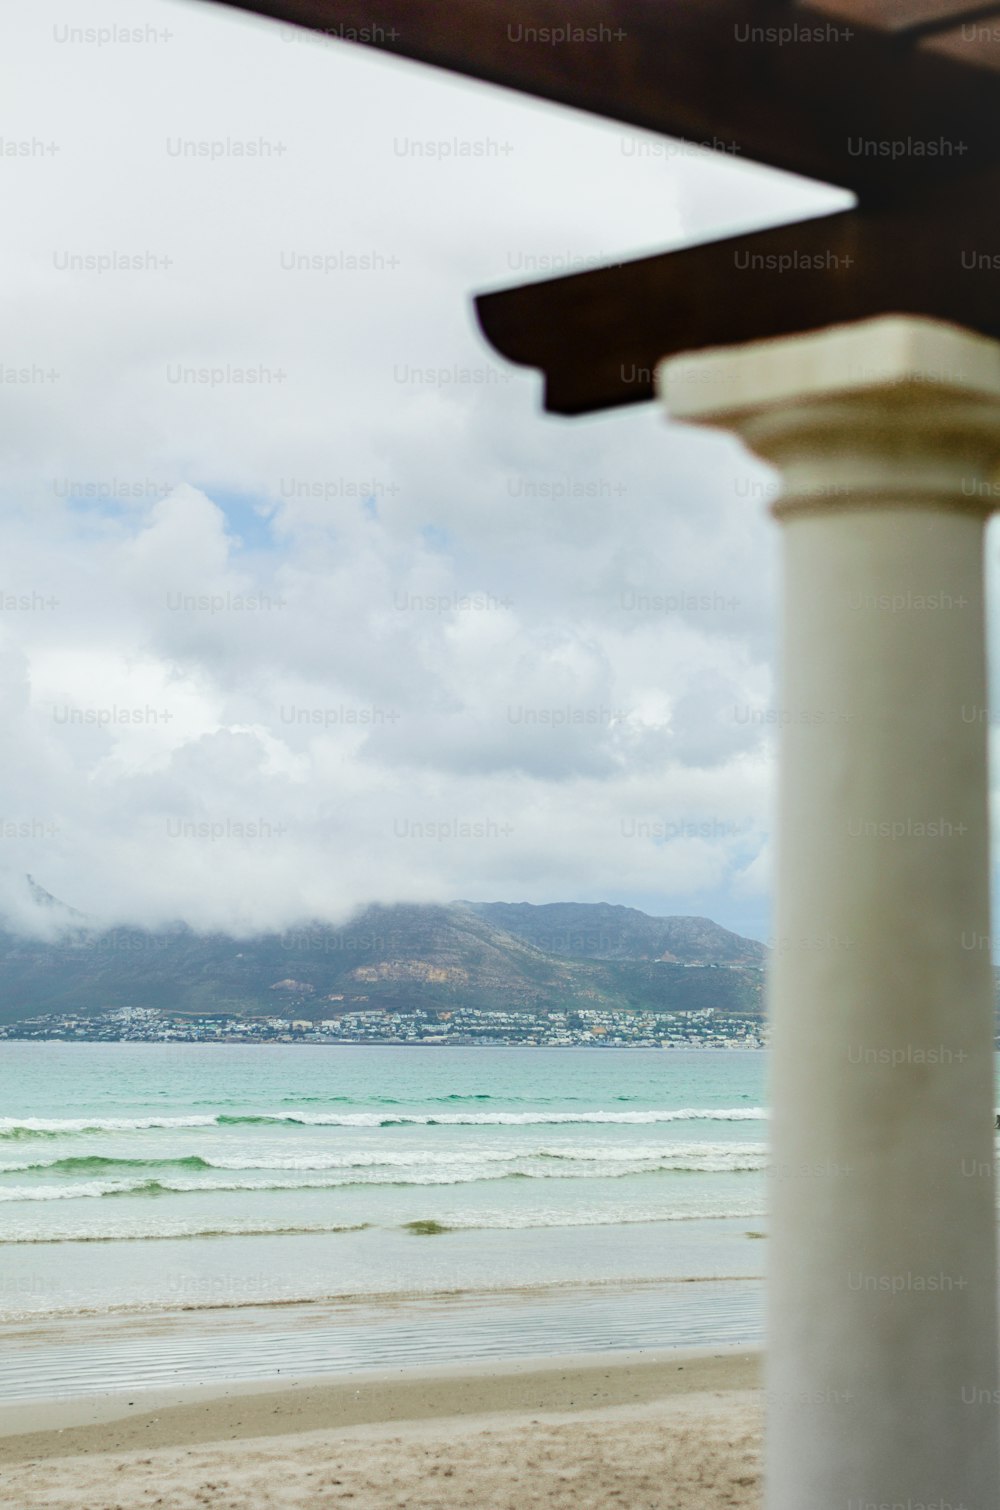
pixel 54 1127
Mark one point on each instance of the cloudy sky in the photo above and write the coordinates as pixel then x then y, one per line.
pixel 305 603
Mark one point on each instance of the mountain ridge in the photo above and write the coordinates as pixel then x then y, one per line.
pixel 396 957
pixel 604 930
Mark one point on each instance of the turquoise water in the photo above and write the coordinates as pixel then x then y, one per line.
pixel 588 1199
pixel 145 1142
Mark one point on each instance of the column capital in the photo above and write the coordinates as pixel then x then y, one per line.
pixel 898 411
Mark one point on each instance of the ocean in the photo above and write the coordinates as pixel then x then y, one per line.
pixel 189 1212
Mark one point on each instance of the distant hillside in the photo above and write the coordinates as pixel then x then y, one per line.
pixel 597 930
pixel 403 957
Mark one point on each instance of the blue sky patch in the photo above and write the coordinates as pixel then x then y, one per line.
pixel 248 518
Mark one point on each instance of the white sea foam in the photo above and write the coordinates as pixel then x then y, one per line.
pixel 11 1127
pixel 428 1173
pixel 703 1156
pixel 487 1221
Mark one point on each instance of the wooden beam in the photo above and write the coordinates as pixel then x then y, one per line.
pixel 895 16
pixel 763 79
pixel 975 45
pixel 597 336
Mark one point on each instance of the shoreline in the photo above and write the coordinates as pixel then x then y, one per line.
pixel 402 1043
pixel 566 1386
pixel 343 1300
pixel 217 1346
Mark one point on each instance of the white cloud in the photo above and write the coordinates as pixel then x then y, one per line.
pixel 369 597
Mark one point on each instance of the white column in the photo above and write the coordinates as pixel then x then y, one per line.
pixel 881 1367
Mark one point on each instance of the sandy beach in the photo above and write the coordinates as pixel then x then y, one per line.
pixel 644 1431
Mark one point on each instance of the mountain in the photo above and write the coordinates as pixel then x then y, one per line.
pixel 44 901
pixel 598 930
pixel 402 957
